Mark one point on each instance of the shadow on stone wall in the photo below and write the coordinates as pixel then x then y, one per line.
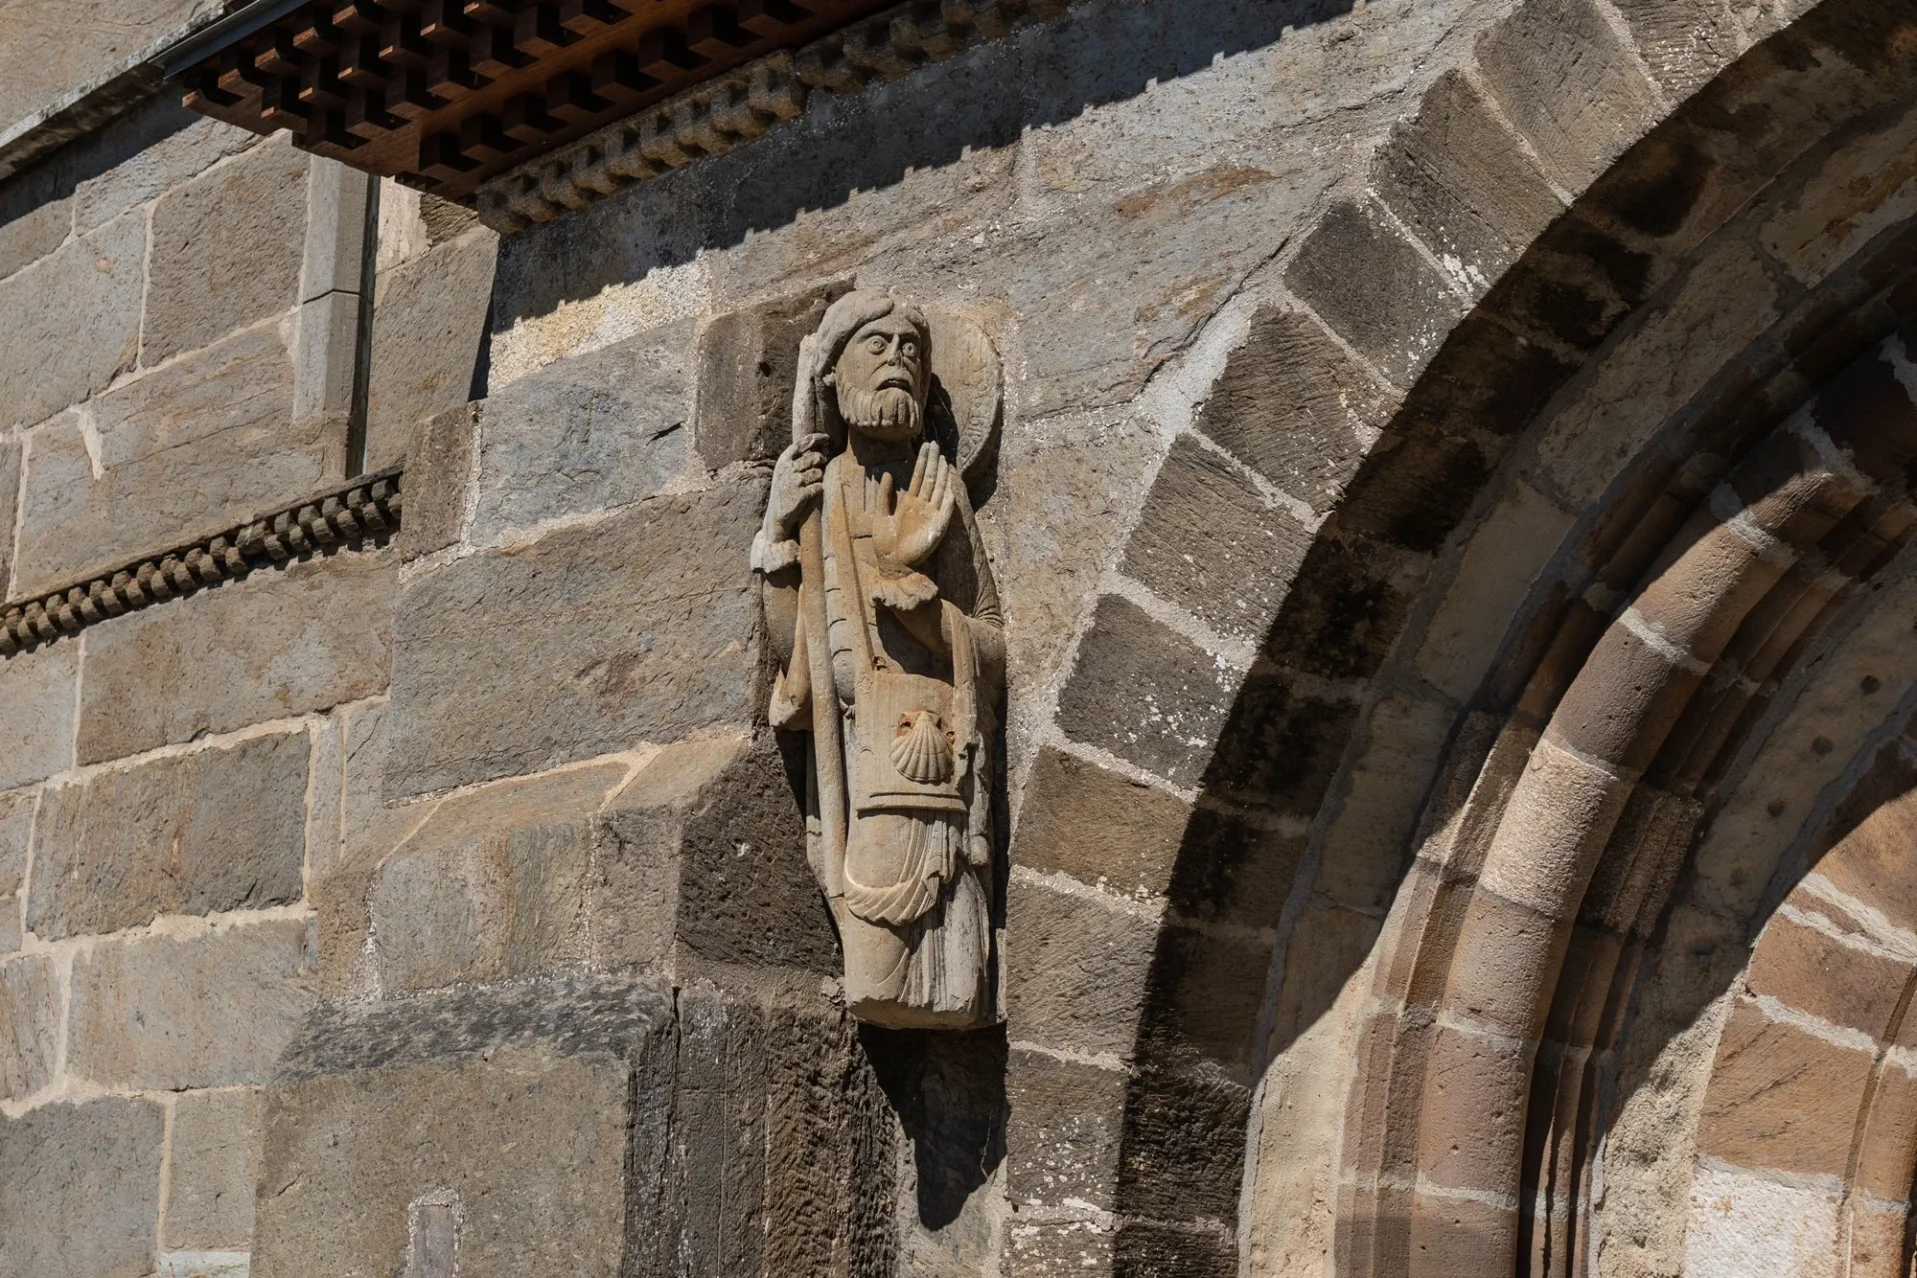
pixel 929 120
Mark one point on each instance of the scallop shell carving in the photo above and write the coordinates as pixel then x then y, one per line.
pixel 920 750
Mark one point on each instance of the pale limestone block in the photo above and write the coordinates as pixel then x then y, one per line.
pixel 39 694
pixel 277 643
pixel 70 323
pixel 1747 1225
pixel 43 61
pixel 1503 558
pixel 336 225
pixel 586 433
pixel 213 1166
pixel 1559 817
pixel 191 448
pixel 227 249
pixel 429 325
pixel 29 235
pixel 639 627
pixel 169 146
pixel 211 1010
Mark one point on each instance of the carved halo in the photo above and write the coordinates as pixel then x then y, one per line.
pixel 965 407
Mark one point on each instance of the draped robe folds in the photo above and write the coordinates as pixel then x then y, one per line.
pixel 915 919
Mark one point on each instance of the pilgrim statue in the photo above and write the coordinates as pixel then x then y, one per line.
pixel 885 621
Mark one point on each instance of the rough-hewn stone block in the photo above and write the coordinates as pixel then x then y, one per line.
pixel 226 250
pixel 69 322
pixel 39 696
pixel 1565 78
pixel 1063 1133
pixel 191 448
pixel 1375 290
pixel 439 464
pixel 1294 407
pixel 429 321
pixel 16 828
pixel 709 840
pixel 214 1010
pixel 639 627
pixel 29 1024
pixel 1208 541
pixel 1097 826
pixel 219 829
pixel 373 1115
pixel 1145 693
pixel 214 1163
pixel 586 433
pixel 281 642
pixel 87 1177
pixel 1684 42
pixel 1075 969
pixel 1456 177
pixel 748 365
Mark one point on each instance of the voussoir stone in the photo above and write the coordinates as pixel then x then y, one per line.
pixel 218 829
pixel 214 1010
pixel 277 643
pixel 88 1177
pixel 226 250
pixel 586 433
pixel 642 626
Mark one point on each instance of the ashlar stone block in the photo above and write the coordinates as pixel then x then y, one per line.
pixel 522 1105
pixel 29 1024
pixel 278 643
pixel 429 324
pixel 227 248
pixel 70 323
pixel 643 626
pixel 39 698
pixel 190 448
pixel 212 1010
pixel 220 829
pixel 586 433
pixel 88 1178
pixel 214 1165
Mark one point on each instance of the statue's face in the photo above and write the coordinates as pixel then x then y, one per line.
pixel 881 379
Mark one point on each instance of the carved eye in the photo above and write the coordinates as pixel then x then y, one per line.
pixel 875 344
pixel 909 349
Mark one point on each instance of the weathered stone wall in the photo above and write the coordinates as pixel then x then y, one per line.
pixel 449 896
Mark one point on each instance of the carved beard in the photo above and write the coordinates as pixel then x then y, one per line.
pixel 888 413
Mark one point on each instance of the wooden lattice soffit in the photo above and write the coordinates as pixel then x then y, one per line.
pixel 444 94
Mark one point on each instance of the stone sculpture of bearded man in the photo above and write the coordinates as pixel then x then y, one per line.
pixel 885 618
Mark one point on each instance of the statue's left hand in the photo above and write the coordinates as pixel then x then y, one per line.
pixel 921 514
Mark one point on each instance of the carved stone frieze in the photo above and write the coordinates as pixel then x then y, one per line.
pixel 365 511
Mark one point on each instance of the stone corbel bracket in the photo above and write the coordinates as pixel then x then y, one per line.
pixel 729 112
pixel 363 511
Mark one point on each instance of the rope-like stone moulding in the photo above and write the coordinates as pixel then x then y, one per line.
pixel 730 112
pixel 342 518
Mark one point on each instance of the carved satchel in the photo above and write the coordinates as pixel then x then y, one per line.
pixel 911 745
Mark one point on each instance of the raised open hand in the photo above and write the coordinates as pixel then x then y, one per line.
pixel 797 478
pixel 912 523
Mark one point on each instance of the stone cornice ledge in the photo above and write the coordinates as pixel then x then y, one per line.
pixel 343 517
pixel 735 109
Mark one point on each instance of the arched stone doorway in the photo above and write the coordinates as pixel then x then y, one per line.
pixel 1555 531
